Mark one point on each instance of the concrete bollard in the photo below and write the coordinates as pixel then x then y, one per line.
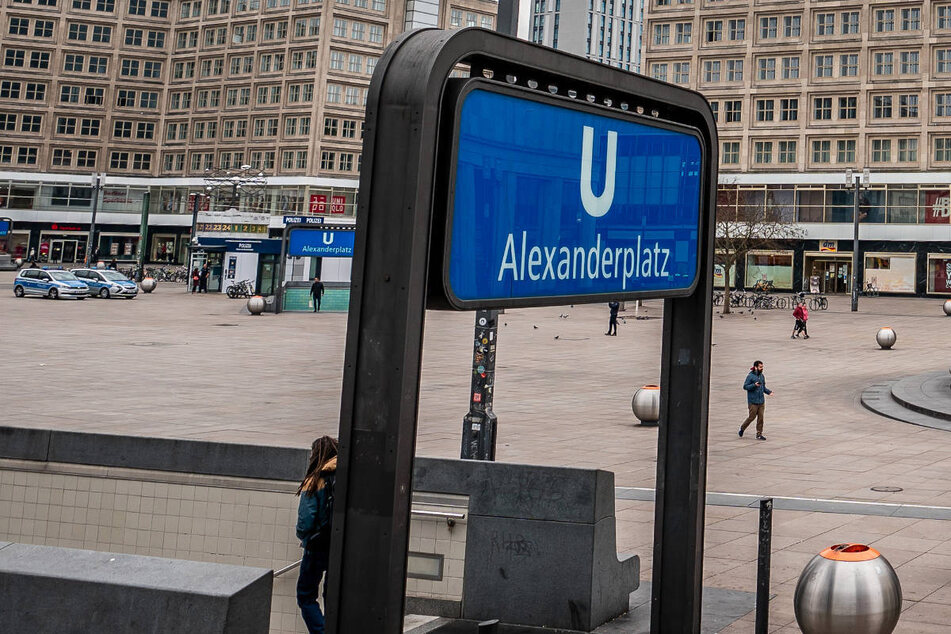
pixel 646 404
pixel 886 337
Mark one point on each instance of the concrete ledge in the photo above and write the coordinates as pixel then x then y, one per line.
pixel 46 589
pixel 161 454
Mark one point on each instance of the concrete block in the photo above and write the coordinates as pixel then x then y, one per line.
pixel 21 443
pixel 51 590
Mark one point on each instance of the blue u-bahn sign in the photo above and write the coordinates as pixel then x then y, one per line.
pixel 315 243
pixel 554 199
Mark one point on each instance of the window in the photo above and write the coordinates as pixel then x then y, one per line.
pixel 734 70
pixel 822 108
pixel 146 130
pixel 767 68
pixel 848 107
pixel 62 157
pixel 882 107
pixel 681 72
pixel 355 64
pixel 942 105
pixel 9 89
pixel 884 20
pixel 43 28
pixel 911 20
pixel 31 123
pixel 908 106
pixel 849 65
pixel 944 17
pixel 942 149
pixel 129 68
pixel 659 71
pixel 715 108
pixel 376 34
pixel 884 63
pixel 330 126
pixel 825 24
pixel 27 155
pixel 102 34
pixel 733 110
pixel 89 127
pixel 94 96
pixel 907 150
pixel 8 122
pixel 792 26
pixel 73 63
pixel 327 160
pixel 69 94
pixel 133 37
pixel 333 93
pixel 684 32
pixel 357 30
pixel 148 100
pixel 86 158
pixel 821 151
pixel 908 62
pixel 731 153
pixel 943 56
pixel 850 23
pixel 349 129
pixel 346 162
pixel 156 39
pixel 336 60
pixel 768 28
pixel 881 150
pixel 97 65
pixel 711 71
pixel 119 160
pixel 788 109
pixel 845 151
pixel 14 57
pixel 787 151
pixel 122 129
pixel 340 28
pixel 763 152
pixel 737 30
pixel 352 96
pixel 76 31
pixel 40 60
pixel 19 26
pixel 823 65
pixel 764 109
pixel 714 30
pixel 790 68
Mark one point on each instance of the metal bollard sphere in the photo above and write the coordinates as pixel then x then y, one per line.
pixel 256 305
pixel 148 284
pixel 886 337
pixel 947 307
pixel 646 404
pixel 847 589
pixel 19 262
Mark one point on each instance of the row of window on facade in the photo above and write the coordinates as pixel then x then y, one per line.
pixel 609 38
pixel 153 8
pixel 824 66
pixel 786 110
pixel 193 8
pixel 892 204
pixel 826 152
pixel 826 24
pixel 163 200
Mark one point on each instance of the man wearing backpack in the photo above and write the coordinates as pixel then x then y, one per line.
pixel 756 391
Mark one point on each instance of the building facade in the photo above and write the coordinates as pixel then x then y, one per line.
pixel 154 93
pixel 805 90
pixel 607 31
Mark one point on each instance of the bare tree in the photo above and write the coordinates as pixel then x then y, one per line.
pixel 748 220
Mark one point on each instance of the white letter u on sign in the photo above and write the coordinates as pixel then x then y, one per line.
pixel 328 237
pixel 597 206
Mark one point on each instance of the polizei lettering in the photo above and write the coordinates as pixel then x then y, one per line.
pixel 523 261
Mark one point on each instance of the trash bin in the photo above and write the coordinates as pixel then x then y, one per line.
pixel 847 589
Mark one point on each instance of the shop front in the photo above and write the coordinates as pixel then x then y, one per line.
pixel 63 244
pixel 232 261
pixel 886 272
pixel 118 245
pixel 829 270
pixel 939 273
pixel 769 267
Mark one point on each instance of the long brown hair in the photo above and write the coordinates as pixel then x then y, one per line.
pixel 322 451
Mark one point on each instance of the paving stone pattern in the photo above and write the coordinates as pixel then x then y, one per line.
pixel 194 366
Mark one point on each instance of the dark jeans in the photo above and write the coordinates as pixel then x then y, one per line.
pixel 316 303
pixel 312 569
pixel 612 325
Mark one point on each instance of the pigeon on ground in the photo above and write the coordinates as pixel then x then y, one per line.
pixel 556 336
pixel 534 327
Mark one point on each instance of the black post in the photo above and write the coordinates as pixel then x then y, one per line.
pixel 91 247
pixel 143 237
pixel 762 565
pixel 192 238
pixel 855 245
pixel 479 425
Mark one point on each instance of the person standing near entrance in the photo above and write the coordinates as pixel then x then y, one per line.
pixel 756 391
pixel 317 291
pixel 203 279
pixel 314 522
pixel 196 277
pixel 612 319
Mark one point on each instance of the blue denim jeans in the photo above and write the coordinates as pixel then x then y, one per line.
pixel 312 569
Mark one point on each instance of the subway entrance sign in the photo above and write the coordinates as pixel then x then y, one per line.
pixel 553 201
pixel 540 178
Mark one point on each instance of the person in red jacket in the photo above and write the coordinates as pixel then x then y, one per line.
pixel 801 313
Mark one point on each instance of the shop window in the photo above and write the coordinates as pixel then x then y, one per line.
pixel 776 267
pixel 810 205
pixel 939 273
pixel 903 205
pixel 890 273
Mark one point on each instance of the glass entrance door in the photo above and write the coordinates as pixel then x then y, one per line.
pixel 56 251
pixel 267 271
pixel 69 251
pixel 837 276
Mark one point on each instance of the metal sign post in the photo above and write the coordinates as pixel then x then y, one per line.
pixel 479 425
pixel 543 179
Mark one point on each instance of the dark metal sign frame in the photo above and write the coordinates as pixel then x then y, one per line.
pixel 392 278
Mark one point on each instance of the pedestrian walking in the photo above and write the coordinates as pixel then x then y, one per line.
pixel 756 391
pixel 317 292
pixel 314 521
pixel 196 277
pixel 203 279
pixel 801 313
pixel 114 264
pixel 612 319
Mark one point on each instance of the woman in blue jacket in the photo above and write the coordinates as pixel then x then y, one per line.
pixel 314 519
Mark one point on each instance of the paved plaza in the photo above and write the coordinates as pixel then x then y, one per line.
pixel 198 366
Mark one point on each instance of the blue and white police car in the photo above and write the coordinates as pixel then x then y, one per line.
pixel 52 283
pixel 107 283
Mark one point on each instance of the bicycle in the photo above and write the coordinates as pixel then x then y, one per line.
pixel 870 290
pixel 818 303
pixel 240 289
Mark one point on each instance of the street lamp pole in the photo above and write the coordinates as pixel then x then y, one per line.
pixel 97 181
pixel 856 184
